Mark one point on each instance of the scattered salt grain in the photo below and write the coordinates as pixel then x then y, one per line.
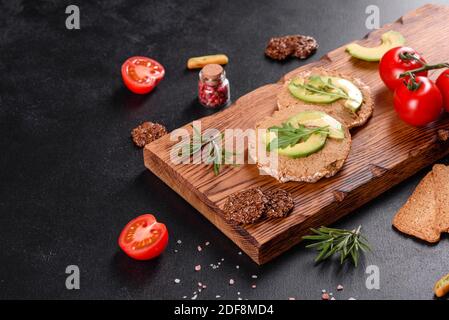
pixel 184 297
pixel 253 286
pixel 204 286
pixel 179 242
pixel 238 293
pixel 239 298
pixel 254 276
pixel 200 284
pixel 198 268
pixel 352 298
pixel 291 298
pixel 222 259
pixel 199 248
pixel 177 280
pixel 231 282
pixel 217 296
pixel 176 251
pixel 331 294
pixel 333 298
pixel 237 267
pixel 194 297
pixel 325 296
pixel 240 253
pixel 339 287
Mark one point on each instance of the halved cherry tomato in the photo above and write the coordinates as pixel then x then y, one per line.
pixel 392 65
pixel 142 74
pixel 143 238
pixel 421 105
pixel 443 84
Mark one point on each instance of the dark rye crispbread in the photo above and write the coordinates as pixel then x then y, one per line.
pixel 279 204
pixel 425 215
pixel 147 132
pixel 245 206
pixel 299 46
pixel 248 206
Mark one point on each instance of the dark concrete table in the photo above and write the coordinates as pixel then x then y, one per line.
pixel 70 177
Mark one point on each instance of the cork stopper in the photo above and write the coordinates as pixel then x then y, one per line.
pixel 212 71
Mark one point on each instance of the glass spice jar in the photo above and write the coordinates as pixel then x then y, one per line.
pixel 213 87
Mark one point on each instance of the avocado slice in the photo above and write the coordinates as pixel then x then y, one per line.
pixel 314 118
pixel 355 95
pixel 302 94
pixel 315 143
pixel 390 39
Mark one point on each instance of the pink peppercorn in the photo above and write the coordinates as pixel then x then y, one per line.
pixel 213 87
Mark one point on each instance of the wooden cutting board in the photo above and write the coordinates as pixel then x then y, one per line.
pixel 384 152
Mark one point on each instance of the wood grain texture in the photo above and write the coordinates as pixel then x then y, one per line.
pixel 384 152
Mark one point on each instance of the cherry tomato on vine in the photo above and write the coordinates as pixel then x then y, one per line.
pixel 141 74
pixel 396 61
pixel 143 238
pixel 443 84
pixel 418 104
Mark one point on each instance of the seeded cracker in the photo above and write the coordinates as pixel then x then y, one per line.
pixel 304 46
pixel 245 206
pixel 299 46
pixel 147 132
pixel 280 203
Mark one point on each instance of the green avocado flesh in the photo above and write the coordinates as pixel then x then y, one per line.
pixel 316 141
pixel 303 94
pixel 319 119
pixel 390 39
pixel 342 86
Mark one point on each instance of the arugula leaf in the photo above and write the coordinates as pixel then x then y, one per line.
pixel 316 85
pixel 287 135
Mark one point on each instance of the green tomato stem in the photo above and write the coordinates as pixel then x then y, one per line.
pixel 425 67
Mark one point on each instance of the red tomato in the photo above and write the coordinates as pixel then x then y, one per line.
pixel 443 84
pixel 141 74
pixel 420 106
pixel 143 238
pixel 392 65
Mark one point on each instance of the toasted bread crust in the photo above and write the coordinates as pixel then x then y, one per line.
pixel 418 215
pixel 425 215
pixel 285 99
pixel 441 187
pixel 324 163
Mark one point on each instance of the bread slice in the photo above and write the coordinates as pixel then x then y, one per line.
pixel 441 187
pixel 419 214
pixel 324 163
pixel 336 109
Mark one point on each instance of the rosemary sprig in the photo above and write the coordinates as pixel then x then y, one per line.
pixel 288 135
pixel 215 151
pixel 329 241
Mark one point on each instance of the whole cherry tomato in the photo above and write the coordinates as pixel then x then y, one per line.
pixel 418 103
pixel 141 74
pixel 443 84
pixel 143 238
pixel 396 61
